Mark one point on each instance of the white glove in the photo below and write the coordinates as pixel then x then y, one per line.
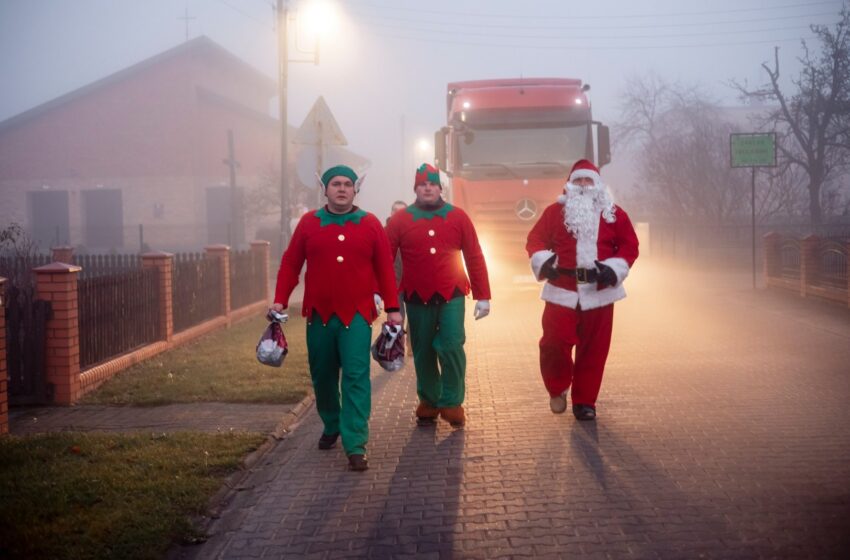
pixel 482 309
pixel 379 303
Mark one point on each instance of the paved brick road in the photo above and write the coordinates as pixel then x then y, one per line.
pixel 723 433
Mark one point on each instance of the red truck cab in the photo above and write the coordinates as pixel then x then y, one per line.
pixel 507 149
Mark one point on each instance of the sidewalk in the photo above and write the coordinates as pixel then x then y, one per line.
pixel 722 432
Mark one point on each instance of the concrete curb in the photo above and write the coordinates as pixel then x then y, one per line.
pixel 233 483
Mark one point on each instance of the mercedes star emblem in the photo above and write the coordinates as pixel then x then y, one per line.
pixel 526 209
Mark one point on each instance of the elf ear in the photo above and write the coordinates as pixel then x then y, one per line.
pixel 358 183
pixel 319 179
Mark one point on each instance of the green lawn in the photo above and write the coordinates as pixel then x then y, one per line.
pixel 221 366
pixel 75 495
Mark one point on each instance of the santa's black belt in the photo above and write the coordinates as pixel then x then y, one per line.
pixel 582 275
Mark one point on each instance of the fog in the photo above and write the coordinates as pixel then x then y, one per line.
pixel 384 65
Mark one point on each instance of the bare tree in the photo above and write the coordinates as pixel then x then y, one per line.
pixel 813 123
pixel 680 137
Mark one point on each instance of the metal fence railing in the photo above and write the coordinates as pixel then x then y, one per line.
pixel 832 264
pixel 105 265
pixel 196 290
pixel 117 313
pixel 789 263
pixel 247 281
pixel 26 336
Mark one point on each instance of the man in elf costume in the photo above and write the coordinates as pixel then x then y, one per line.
pixel 583 246
pixel 431 235
pixel 348 256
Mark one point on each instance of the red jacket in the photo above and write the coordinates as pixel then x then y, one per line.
pixel 616 245
pixel 347 257
pixel 431 244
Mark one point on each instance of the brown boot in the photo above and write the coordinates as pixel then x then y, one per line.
pixel 454 415
pixel 426 414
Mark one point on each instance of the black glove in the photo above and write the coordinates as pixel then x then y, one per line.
pixel 548 270
pixel 606 275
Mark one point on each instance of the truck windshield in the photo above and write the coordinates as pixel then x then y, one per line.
pixel 520 152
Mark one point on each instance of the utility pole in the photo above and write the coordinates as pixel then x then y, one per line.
pixel 283 62
pixel 235 221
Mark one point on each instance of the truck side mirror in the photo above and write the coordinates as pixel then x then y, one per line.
pixel 440 150
pixel 604 145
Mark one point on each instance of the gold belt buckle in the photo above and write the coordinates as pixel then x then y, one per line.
pixel 581 276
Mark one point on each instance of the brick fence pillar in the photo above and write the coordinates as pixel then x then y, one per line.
pixel 261 250
pixel 62 254
pixel 772 242
pixel 57 283
pixel 222 252
pixel 4 386
pixel 164 263
pixel 808 262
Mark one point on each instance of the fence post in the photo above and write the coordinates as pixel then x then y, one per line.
pixel 64 254
pixel 4 387
pixel 57 283
pixel 222 252
pixel 164 263
pixel 808 262
pixel 261 250
pixel 772 255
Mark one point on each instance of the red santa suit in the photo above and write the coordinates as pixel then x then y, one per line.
pixel 579 314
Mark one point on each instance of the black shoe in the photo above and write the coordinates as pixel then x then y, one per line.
pixel 584 412
pixel 357 462
pixel 426 421
pixel 327 441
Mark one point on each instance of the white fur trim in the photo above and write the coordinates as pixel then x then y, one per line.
pixel 620 266
pixel 591 298
pixel 537 260
pixel 559 296
pixel 586 249
pixel 586 173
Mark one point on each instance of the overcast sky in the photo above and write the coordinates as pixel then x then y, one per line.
pixel 388 61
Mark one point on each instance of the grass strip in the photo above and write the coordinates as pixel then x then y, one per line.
pixel 88 495
pixel 219 367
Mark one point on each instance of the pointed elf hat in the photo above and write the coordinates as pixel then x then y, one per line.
pixel 426 173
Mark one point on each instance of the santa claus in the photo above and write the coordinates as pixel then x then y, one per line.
pixel 583 247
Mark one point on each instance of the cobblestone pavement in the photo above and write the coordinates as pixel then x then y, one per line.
pixel 202 417
pixel 722 433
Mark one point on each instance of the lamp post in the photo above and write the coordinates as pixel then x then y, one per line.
pixel 283 63
pixel 319 14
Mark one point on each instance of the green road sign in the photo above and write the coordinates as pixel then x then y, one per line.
pixel 753 150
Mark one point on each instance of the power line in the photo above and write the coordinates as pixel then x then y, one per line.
pixel 606 37
pixel 467 26
pixel 589 47
pixel 245 14
pixel 447 14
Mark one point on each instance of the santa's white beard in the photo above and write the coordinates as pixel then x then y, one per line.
pixel 582 208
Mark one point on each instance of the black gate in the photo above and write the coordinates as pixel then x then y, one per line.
pixel 26 341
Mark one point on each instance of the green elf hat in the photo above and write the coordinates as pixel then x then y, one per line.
pixel 427 173
pixel 337 171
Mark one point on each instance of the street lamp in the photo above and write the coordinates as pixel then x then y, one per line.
pixel 424 151
pixel 319 15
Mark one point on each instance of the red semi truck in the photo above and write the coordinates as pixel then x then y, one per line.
pixel 507 149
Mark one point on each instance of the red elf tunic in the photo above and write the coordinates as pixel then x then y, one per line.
pixel 347 257
pixel 431 243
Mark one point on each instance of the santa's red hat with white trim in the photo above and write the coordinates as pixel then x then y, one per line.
pixel 585 168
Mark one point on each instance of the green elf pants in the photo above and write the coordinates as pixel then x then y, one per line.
pixel 329 348
pixel 437 335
